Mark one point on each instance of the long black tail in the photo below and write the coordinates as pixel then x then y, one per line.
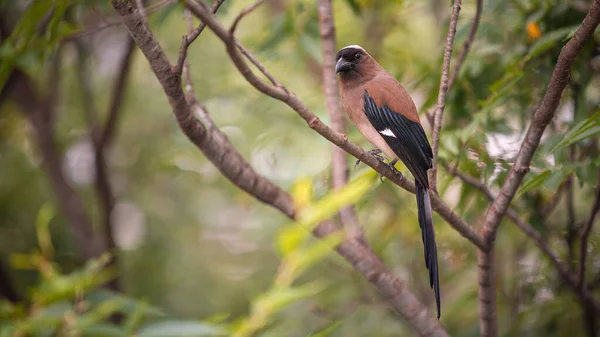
pixel 426 223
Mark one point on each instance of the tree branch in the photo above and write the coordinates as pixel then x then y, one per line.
pixel 467 44
pixel 541 118
pixel 339 158
pixel 222 154
pixel 441 102
pixel 341 140
pixel 587 228
pixel 563 270
pixel 191 36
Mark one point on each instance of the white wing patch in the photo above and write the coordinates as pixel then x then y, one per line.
pixel 388 132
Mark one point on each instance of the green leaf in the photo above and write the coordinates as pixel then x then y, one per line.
pixel 45 215
pixel 127 305
pixel 584 129
pixel 328 330
pixel 306 258
pixel 177 328
pixel 533 183
pixel 554 180
pixel 290 238
pixel 548 41
pixel 97 314
pixel 278 298
pixel 331 203
pixel 104 330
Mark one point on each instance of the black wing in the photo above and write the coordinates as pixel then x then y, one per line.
pixel 406 138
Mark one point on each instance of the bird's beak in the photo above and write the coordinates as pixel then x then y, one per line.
pixel 342 65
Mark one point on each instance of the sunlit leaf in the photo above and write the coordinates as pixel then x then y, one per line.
pixel 45 214
pixel 290 238
pixel 331 203
pixel 308 257
pixel 279 298
pixel 302 192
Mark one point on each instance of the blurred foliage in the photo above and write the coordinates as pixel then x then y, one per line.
pixel 199 257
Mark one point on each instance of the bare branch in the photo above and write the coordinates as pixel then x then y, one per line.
pixel 108 131
pixel 587 228
pixel 245 12
pixel 339 159
pixel 441 102
pixel 341 140
pixel 563 270
pixel 219 151
pixel 108 23
pixel 214 145
pixel 141 9
pixel 467 44
pixel 191 36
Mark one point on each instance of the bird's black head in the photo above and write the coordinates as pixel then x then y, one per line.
pixel 350 59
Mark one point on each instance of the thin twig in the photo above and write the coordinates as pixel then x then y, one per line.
pixel 116 21
pixel 467 45
pixel 441 102
pixel 191 36
pixel 141 9
pixel 339 159
pixel 587 228
pixel 245 12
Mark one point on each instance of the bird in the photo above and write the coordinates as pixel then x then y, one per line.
pixel 387 117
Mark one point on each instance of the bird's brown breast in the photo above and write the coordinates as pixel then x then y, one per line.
pixel 385 91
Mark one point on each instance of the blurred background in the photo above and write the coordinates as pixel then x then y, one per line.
pixel 195 255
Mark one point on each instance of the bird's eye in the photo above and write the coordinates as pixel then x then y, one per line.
pixel 357 56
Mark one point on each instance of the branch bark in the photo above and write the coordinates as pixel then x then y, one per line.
pixel 339 158
pixel 441 102
pixel 468 43
pixel 222 154
pixel 541 118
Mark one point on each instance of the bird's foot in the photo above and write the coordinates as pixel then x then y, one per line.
pixel 375 153
pixel 390 165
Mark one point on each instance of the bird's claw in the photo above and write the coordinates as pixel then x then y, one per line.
pixel 375 153
pixel 390 165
